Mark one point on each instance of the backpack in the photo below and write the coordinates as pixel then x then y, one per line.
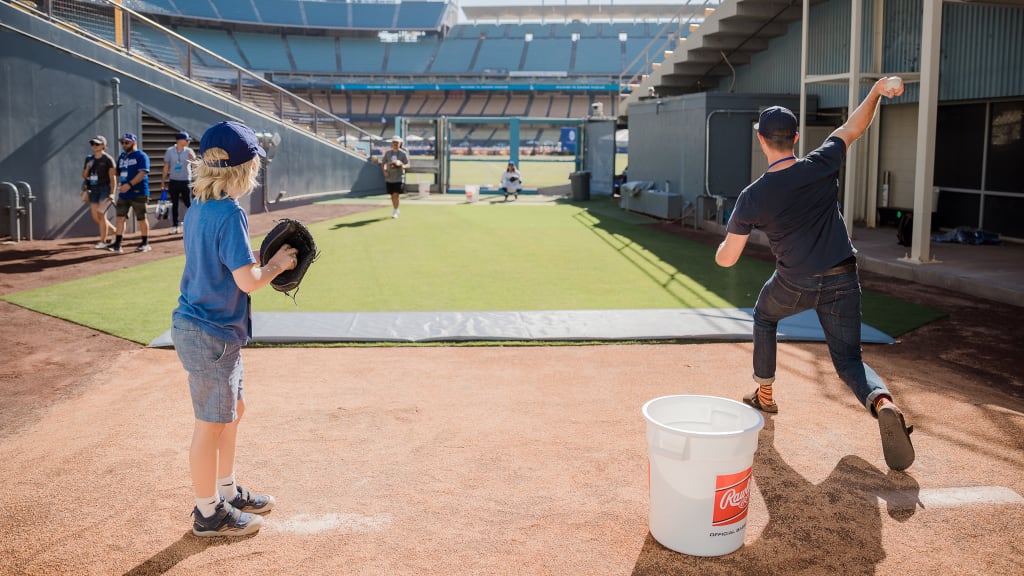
pixel 905 229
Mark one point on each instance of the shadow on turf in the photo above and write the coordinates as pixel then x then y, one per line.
pixel 834 527
pixel 358 224
pixel 187 545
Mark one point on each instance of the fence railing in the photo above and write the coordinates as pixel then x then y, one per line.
pixel 117 24
pixel 668 37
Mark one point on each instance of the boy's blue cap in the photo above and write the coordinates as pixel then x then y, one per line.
pixel 129 137
pixel 776 121
pixel 235 138
pixel 182 136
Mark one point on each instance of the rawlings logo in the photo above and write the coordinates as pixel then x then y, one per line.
pixel 732 495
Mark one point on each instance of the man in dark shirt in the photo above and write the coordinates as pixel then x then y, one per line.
pixel 795 204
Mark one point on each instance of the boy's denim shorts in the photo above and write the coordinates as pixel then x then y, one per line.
pixel 214 369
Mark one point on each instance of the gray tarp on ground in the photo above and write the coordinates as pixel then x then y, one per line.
pixel 656 324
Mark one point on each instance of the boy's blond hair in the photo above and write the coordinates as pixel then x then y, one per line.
pixel 213 182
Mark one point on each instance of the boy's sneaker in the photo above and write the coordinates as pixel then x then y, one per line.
pixel 395 213
pixel 102 246
pixel 251 502
pixel 144 247
pixel 116 249
pixel 226 521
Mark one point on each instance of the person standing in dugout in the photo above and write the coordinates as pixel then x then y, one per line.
pixel 794 204
pixel 212 322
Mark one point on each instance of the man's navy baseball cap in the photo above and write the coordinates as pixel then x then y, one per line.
pixel 776 122
pixel 182 136
pixel 129 137
pixel 237 139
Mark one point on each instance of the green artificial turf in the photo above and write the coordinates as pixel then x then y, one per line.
pixel 463 257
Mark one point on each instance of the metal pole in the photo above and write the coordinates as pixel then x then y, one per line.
pixel 26 195
pixel 115 87
pixel 12 203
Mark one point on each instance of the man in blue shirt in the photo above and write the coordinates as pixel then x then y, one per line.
pixel 133 191
pixel 795 204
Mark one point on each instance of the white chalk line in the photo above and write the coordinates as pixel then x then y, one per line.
pixel 335 522
pixel 952 497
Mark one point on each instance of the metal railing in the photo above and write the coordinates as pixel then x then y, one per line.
pixel 664 39
pixel 116 24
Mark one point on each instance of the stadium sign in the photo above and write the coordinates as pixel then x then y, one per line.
pixel 489 86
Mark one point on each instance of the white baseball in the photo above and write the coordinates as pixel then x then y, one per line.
pixel 893 83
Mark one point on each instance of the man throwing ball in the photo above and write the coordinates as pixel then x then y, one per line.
pixel 794 204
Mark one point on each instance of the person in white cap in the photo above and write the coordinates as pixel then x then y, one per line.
pixel 396 162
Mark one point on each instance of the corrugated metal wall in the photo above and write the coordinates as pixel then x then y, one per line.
pixel 982 51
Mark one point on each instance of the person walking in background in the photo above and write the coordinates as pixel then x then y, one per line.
pixel 100 175
pixel 133 192
pixel 794 204
pixel 212 322
pixel 396 162
pixel 176 178
pixel 511 181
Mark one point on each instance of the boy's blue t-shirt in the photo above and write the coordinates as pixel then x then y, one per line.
pixel 798 209
pixel 216 243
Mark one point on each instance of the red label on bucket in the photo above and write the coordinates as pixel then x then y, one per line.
pixel 732 494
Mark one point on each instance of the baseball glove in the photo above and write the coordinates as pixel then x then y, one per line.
pixel 296 235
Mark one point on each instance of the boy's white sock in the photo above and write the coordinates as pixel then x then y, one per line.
pixel 226 487
pixel 207 505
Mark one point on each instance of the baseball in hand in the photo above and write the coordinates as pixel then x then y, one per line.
pixel 893 83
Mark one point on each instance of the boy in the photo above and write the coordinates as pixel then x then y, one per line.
pixel 212 323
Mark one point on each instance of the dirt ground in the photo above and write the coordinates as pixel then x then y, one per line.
pixel 494 460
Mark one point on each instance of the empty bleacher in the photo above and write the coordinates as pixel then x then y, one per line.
pixel 454 56
pixel 597 56
pixel 361 55
pixel 264 52
pixel 548 55
pixel 324 14
pixel 499 54
pixel 217 41
pixel 197 9
pixel 412 57
pixel 313 53
pixel 237 11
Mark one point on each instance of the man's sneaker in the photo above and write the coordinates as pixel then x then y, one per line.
pixel 250 502
pixel 226 521
pixel 102 246
pixel 144 247
pixel 395 213
pixel 116 249
pixel 896 445
pixel 174 230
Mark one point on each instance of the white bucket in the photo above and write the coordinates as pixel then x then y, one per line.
pixel 424 189
pixel 472 192
pixel 700 453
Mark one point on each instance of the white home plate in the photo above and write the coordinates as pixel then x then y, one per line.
pixel 343 523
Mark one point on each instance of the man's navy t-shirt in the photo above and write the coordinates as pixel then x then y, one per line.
pixel 797 209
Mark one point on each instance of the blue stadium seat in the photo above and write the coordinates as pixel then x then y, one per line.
pixel 598 56
pixel 548 55
pixel 499 53
pixel 265 52
pixel 411 57
pixel 237 11
pixel 420 15
pixel 374 16
pixel 197 8
pixel 361 55
pixel 313 53
pixel 287 12
pixel 216 41
pixel 326 14
pixel 454 56
pixel 158 7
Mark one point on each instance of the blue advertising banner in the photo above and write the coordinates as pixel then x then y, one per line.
pixel 489 86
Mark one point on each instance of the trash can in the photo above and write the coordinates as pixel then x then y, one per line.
pixel 580 185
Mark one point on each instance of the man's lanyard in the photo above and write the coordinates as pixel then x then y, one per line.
pixel 779 161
